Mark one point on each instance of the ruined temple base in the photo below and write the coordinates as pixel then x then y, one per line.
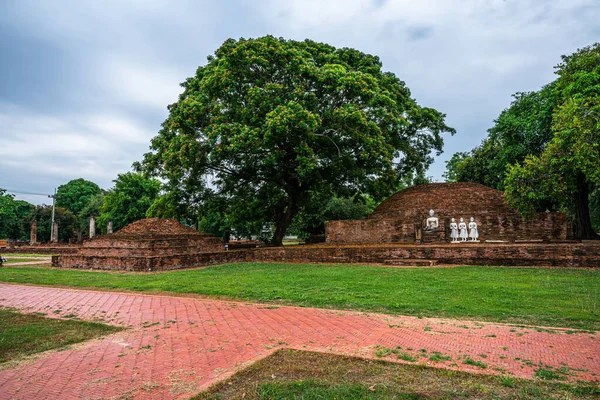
pixel 586 255
pixel 465 253
pixel 148 263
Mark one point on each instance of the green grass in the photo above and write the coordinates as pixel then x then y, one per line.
pixel 15 258
pixel 537 296
pixel 25 334
pixel 27 255
pixel 18 260
pixel 289 374
pixel 470 361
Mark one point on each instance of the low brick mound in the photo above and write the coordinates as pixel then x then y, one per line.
pixel 147 245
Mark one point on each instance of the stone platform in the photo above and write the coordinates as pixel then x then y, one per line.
pixel 508 254
pixel 147 245
pixel 586 255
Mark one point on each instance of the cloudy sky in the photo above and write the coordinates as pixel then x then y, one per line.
pixel 84 84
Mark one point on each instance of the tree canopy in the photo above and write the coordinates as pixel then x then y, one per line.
pixel 268 122
pixel 568 168
pixel 75 194
pixel 12 215
pixel 129 200
pixel 546 145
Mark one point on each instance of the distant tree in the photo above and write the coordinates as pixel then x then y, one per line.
pixel 311 220
pixel 75 194
pixel 479 165
pixel 12 213
pixel 521 130
pixel 268 121
pixel 66 220
pixel 129 200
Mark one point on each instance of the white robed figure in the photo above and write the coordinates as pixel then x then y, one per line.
pixel 473 232
pixel 454 230
pixel 462 227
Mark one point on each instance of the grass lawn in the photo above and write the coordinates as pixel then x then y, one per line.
pixel 538 296
pixel 24 255
pixel 24 334
pixel 291 374
pixel 15 258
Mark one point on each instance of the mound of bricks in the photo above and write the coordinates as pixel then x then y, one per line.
pixel 397 219
pixel 148 245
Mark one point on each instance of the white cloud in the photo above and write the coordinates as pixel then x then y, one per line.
pixel 139 85
pixel 468 57
pixel 127 58
pixel 92 146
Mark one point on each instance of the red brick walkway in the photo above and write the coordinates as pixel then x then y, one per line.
pixel 177 346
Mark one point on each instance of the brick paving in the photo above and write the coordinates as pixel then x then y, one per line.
pixel 177 346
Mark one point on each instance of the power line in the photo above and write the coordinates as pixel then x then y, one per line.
pixel 29 193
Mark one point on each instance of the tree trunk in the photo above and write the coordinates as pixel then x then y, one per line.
pixel 583 223
pixel 283 219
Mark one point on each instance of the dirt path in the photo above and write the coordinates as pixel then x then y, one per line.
pixel 177 346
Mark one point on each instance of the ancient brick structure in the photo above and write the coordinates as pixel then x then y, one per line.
pixel 147 245
pixel 401 218
pixel 511 254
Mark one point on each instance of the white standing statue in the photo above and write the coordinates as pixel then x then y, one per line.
pixel 432 222
pixel 462 227
pixel 473 233
pixel 454 230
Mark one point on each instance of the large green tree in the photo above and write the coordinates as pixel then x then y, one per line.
pixel 269 121
pixel 543 150
pixel 129 200
pixel 568 168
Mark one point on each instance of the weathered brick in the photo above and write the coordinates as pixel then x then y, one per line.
pixel 149 245
pixel 396 219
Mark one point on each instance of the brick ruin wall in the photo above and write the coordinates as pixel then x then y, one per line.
pixel 558 255
pixel 149 263
pixel 507 227
pixel 163 246
pixel 537 254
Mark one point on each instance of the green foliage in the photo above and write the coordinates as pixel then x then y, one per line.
pixel 12 215
pixel 75 195
pixel 568 168
pixel 268 122
pixel 476 166
pixel 66 220
pixel 311 219
pixel 543 150
pixel 92 208
pixel 521 130
pixel 129 200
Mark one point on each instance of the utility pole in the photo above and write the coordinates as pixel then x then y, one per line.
pixel 53 196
